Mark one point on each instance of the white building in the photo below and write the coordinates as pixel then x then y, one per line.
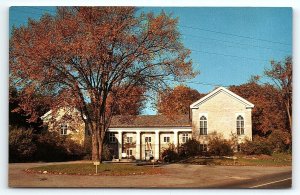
pixel 141 137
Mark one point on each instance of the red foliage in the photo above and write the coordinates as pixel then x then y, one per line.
pixel 268 113
pixel 177 101
pixel 83 56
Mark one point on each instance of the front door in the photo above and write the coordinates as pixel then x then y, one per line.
pixel 148 154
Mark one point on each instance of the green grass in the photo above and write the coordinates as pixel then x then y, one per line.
pixel 242 160
pixel 103 169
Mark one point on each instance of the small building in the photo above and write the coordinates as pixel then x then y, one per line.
pixel 145 136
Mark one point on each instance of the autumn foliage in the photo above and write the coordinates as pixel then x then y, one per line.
pixel 83 56
pixel 177 101
pixel 268 113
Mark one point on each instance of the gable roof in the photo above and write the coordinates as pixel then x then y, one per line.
pixel 217 91
pixel 60 113
pixel 150 121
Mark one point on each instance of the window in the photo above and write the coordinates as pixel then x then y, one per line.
pixel 112 138
pixel 129 139
pixel 203 125
pixel 203 147
pixel 63 129
pixel 166 139
pixel 129 152
pixel 148 139
pixel 240 125
pixel 185 137
pixel 239 149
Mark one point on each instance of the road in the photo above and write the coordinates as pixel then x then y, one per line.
pixel 271 181
pixel 176 176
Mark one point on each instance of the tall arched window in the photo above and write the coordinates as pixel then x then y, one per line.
pixel 240 125
pixel 203 125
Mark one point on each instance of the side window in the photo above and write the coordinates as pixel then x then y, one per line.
pixel 63 129
pixel 203 125
pixel 240 125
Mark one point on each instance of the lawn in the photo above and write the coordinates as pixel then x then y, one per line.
pixel 130 169
pixel 242 160
pixel 103 169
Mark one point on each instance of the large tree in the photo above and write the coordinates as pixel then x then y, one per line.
pixel 177 101
pixel 281 75
pixel 82 56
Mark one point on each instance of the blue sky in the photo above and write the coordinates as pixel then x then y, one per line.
pixel 228 44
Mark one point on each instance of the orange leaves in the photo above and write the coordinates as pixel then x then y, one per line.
pixel 268 113
pixel 177 101
pixel 128 101
pixel 98 49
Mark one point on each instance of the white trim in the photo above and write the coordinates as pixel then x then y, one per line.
pixel 150 129
pixel 60 112
pixel 46 114
pixel 244 120
pixel 206 117
pixel 196 104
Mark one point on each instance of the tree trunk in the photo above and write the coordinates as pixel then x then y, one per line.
pixel 95 147
pixel 97 142
pixel 100 150
pixel 289 114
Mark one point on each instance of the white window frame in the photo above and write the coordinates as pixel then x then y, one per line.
pixel 240 125
pixel 203 125
pixel 129 152
pixel 129 139
pixel 185 137
pixel 148 139
pixel 166 139
pixel 112 138
pixel 63 129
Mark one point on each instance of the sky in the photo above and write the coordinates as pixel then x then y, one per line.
pixel 228 45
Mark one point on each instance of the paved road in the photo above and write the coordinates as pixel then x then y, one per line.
pixel 270 181
pixel 176 176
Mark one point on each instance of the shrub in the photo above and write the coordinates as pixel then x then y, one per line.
pixel 279 141
pixel 74 150
pixel 106 154
pixel 170 154
pixel 25 146
pixel 190 148
pixel 256 147
pixel 54 147
pixel 218 146
pixel 21 145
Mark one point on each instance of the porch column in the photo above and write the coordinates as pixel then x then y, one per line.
pixel 176 138
pixel 156 143
pixel 120 143
pixel 138 146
